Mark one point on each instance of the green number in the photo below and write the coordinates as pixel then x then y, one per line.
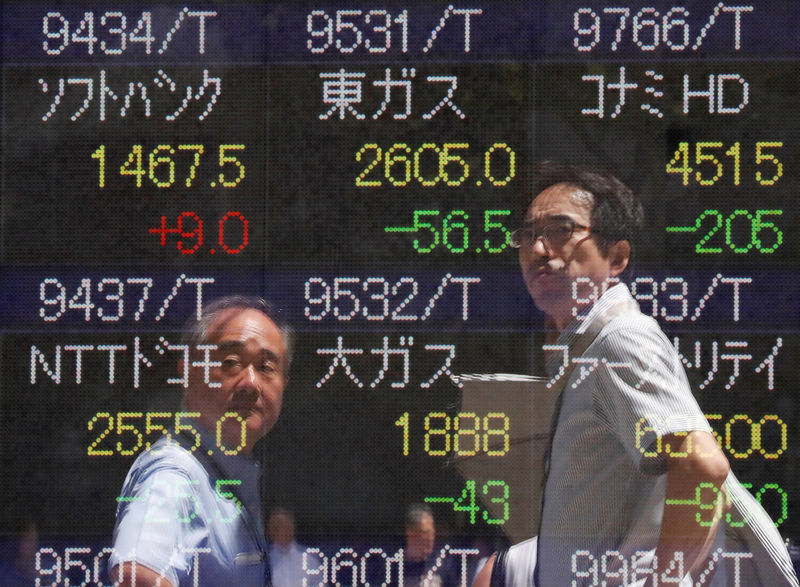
pixel 228 495
pixel 488 225
pixel 784 500
pixel 758 226
pixel 502 500
pixel 449 225
pixel 428 226
pixel 729 239
pixel 699 247
pixel 465 503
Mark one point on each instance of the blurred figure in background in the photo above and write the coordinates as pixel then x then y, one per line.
pixel 285 554
pixel 419 559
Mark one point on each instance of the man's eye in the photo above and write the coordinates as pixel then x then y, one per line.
pixel 230 362
pixel 268 367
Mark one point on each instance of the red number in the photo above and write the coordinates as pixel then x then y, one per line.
pixel 197 233
pixel 245 225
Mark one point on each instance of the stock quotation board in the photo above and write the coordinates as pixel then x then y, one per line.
pixel 362 166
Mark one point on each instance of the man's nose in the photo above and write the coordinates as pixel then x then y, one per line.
pixel 248 378
pixel 539 247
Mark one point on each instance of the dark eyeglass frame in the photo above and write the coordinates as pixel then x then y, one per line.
pixel 516 236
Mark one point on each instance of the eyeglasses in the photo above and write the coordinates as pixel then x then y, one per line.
pixel 554 234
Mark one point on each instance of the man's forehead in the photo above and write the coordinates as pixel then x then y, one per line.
pixel 240 324
pixel 561 201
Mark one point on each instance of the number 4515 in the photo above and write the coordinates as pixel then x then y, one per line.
pixel 709 168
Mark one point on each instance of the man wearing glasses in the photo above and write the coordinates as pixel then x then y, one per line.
pixel 190 511
pixel 629 443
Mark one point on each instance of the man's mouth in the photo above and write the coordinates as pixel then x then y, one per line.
pixel 545 271
pixel 246 409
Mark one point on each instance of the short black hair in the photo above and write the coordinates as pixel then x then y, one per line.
pixel 617 214
pixel 196 331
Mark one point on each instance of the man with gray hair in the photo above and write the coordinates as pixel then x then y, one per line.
pixel 190 508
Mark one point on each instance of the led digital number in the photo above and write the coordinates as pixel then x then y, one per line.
pixel 452 230
pixel 710 167
pixel 431 164
pixel 733 442
pixel 496 491
pixel 159 165
pixel 742 231
pixel 128 425
pixel 190 238
pixel 711 506
pixel 466 434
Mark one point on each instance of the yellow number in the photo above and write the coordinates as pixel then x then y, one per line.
pixel 378 156
pixel 487 164
pixel 700 157
pixel 782 425
pixel 100 155
pixel 392 159
pixel 121 428
pixel 149 426
pixel 642 428
pixel 490 445
pixel 728 425
pixel 417 172
pixel 681 158
pixel 403 421
pixel 446 158
pixel 243 437
pixel 133 166
pixel 198 150
pixel 443 432
pixel 762 157
pixel 224 159
pixel 155 159
pixel 473 425
pixel 735 152
pixel 179 427
pixel 92 450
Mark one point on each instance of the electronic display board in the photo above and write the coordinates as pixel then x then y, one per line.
pixel 361 165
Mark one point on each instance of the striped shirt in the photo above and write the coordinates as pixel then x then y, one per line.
pixel 603 500
pixel 605 491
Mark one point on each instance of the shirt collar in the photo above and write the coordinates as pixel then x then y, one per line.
pixel 611 297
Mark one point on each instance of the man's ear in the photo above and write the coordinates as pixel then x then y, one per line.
pixel 619 254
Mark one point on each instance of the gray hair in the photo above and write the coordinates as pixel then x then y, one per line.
pixel 415 512
pixel 197 331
